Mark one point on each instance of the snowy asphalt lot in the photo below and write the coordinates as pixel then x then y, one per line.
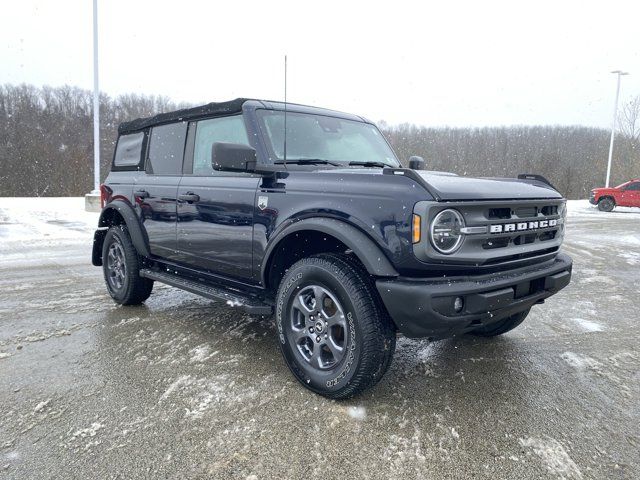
pixel 184 387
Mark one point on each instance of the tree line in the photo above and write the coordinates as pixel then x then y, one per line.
pixel 46 144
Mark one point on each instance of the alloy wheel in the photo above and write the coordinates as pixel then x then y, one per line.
pixel 318 327
pixel 116 265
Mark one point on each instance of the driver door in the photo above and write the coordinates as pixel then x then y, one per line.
pixel 631 195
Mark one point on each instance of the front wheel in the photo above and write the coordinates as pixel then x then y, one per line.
pixel 606 204
pixel 334 333
pixel 502 326
pixel 121 268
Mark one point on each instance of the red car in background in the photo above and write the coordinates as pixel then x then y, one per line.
pixel 625 195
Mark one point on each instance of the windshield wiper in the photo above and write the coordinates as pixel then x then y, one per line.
pixel 309 161
pixel 370 164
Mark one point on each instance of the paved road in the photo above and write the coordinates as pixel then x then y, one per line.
pixel 183 387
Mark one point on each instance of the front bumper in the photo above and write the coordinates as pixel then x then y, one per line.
pixel 592 199
pixel 425 307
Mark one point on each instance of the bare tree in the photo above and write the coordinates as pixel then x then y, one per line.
pixel 46 144
pixel 629 120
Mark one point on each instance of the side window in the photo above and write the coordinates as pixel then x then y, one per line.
pixel 166 149
pixel 634 186
pixel 223 129
pixel 129 150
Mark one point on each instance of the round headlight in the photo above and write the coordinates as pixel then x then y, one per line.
pixel 445 231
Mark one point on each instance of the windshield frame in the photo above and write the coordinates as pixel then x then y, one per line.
pixel 273 158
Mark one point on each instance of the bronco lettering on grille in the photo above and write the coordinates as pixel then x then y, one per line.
pixel 522 226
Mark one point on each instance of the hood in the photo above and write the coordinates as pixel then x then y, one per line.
pixel 449 187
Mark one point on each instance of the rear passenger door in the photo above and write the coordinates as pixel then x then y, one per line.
pixel 215 209
pixel 156 192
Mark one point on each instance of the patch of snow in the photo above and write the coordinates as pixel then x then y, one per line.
pixel 632 258
pixel 580 362
pixel 40 337
pixel 179 383
pixel 554 457
pixel 52 218
pixel 358 413
pixel 126 321
pixel 42 405
pixel 4 355
pixel 202 405
pixel 89 431
pixel 588 325
pixel 201 353
pixel 584 208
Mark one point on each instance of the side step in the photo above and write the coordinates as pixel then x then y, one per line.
pixel 233 298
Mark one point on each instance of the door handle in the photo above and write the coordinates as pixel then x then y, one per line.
pixel 141 194
pixel 189 197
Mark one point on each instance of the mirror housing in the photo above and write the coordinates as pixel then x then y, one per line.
pixel 233 157
pixel 416 163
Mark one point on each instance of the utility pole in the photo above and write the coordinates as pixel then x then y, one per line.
pixel 92 200
pixel 613 124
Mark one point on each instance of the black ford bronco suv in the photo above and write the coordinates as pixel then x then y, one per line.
pixel 324 228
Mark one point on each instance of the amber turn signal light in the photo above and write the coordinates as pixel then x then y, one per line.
pixel 416 228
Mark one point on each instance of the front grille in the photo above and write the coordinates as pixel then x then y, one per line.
pixel 499 213
pixel 500 231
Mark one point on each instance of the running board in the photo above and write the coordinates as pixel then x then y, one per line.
pixel 233 298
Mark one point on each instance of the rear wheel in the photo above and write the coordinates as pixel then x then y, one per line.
pixel 502 326
pixel 121 267
pixel 606 204
pixel 334 334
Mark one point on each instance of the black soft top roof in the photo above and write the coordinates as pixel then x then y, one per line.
pixel 226 108
pixel 213 108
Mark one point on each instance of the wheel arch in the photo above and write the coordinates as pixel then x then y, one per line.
pixel 317 235
pixel 119 212
pixel 609 197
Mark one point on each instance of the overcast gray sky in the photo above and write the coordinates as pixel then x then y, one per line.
pixel 432 63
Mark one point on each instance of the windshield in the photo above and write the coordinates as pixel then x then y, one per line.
pixel 319 137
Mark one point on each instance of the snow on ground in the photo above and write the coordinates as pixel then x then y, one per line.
pixel 86 383
pixel 583 207
pixel 45 218
pixel 555 457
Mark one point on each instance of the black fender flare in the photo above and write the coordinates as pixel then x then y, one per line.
pixel 134 226
pixel 363 246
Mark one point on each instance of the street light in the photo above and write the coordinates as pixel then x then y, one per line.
pixel 92 199
pixel 613 125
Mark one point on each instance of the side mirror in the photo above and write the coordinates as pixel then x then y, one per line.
pixel 233 157
pixel 416 163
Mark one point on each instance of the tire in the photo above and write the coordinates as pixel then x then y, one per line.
pixel 335 335
pixel 606 204
pixel 121 269
pixel 502 326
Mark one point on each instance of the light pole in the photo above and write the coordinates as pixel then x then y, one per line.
pixel 92 200
pixel 613 124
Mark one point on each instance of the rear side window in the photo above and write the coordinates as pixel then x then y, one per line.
pixel 223 129
pixel 166 149
pixel 129 150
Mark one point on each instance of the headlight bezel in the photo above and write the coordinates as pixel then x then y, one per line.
pixel 460 218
